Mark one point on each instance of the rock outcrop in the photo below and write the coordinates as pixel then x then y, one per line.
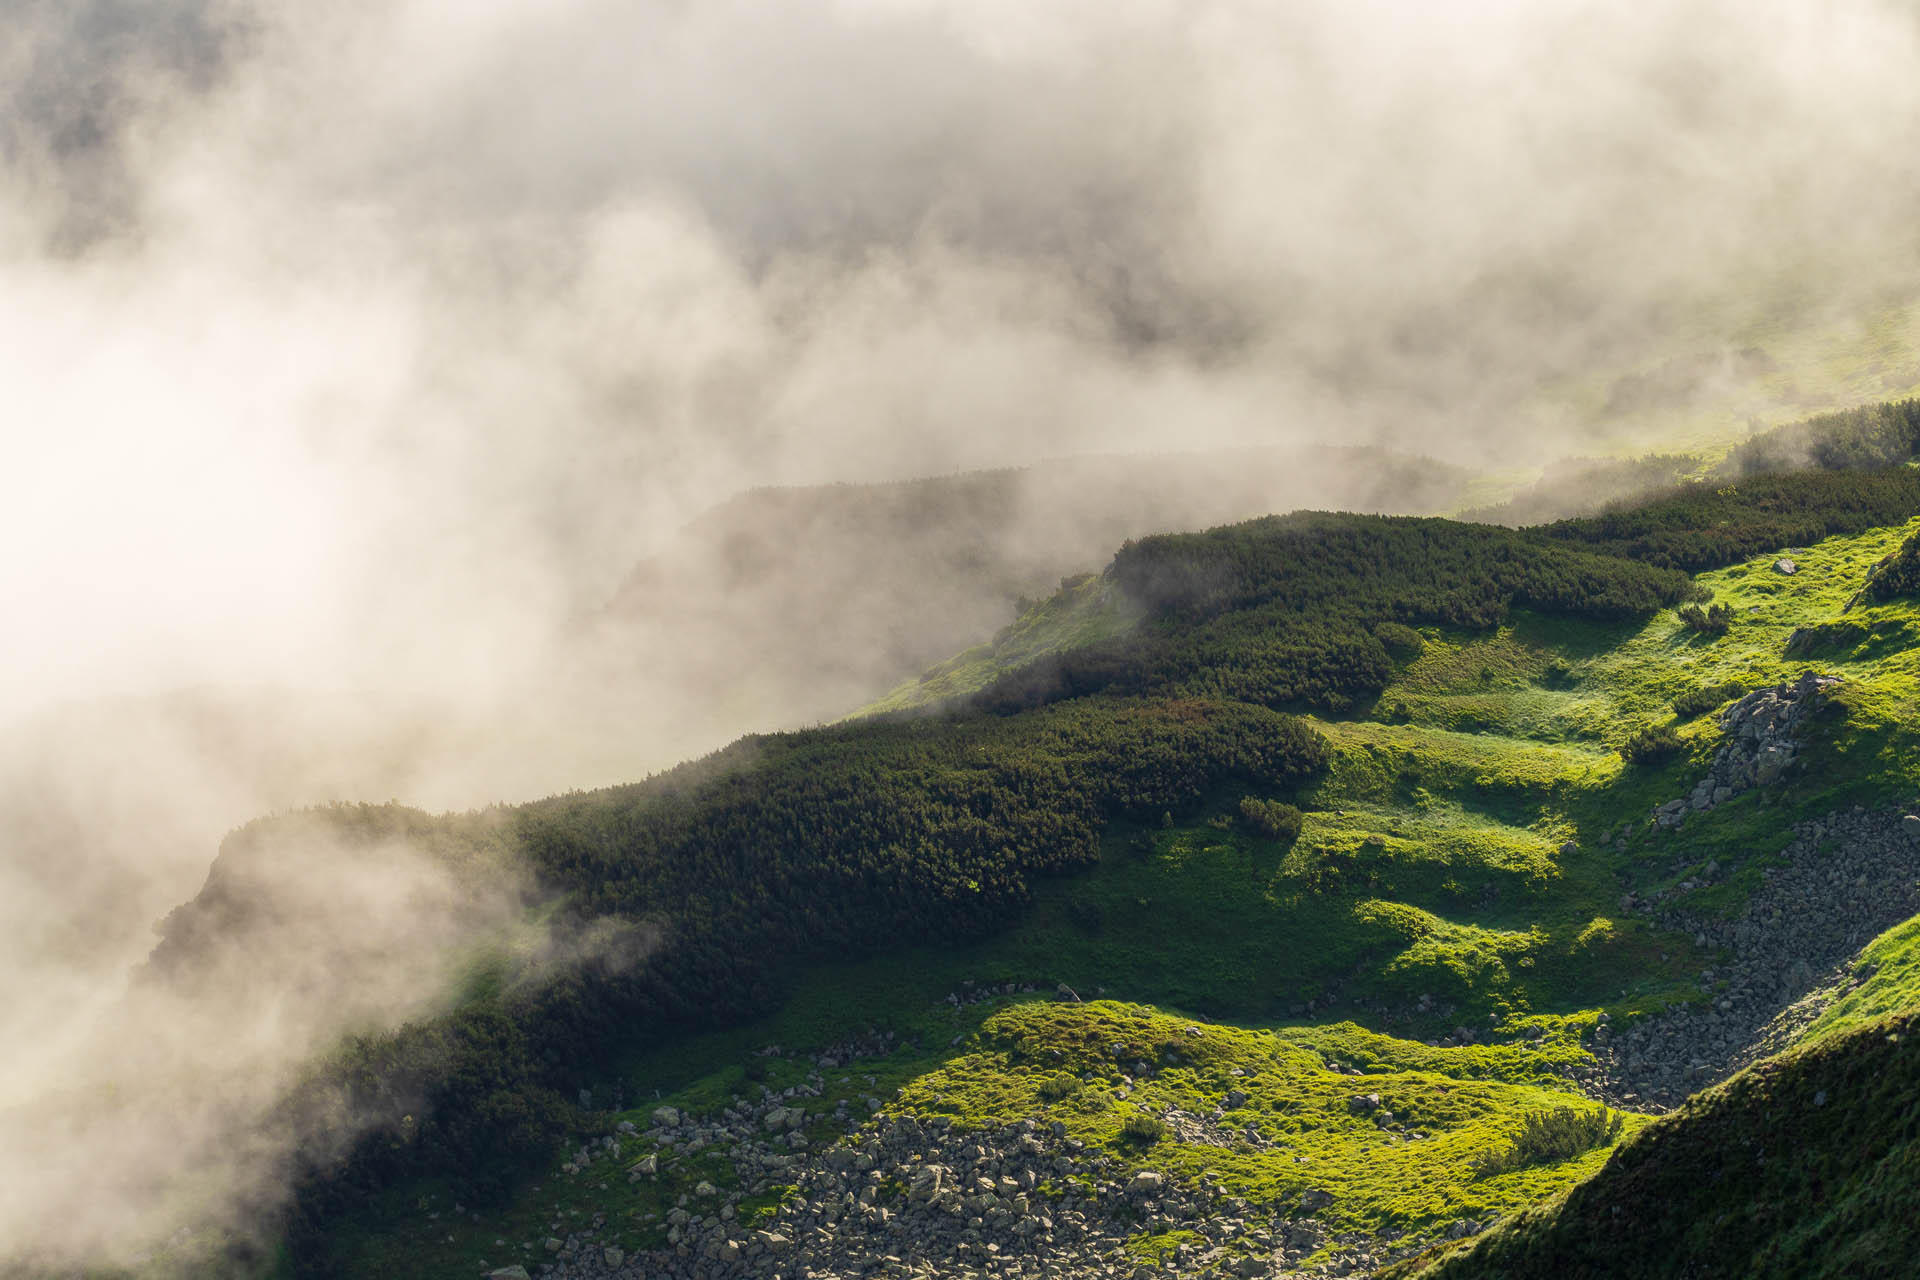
pixel 1763 731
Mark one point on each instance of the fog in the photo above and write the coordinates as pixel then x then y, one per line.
pixel 357 359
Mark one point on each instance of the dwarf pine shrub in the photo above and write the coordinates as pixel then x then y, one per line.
pixel 1558 1134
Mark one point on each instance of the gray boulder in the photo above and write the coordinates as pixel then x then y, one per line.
pixel 1146 1183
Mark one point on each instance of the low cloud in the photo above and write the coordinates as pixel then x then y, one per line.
pixel 355 356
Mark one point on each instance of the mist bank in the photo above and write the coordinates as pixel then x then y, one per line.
pixel 364 344
pixel 355 357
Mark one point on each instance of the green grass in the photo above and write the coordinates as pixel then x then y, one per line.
pixel 1413 1173
pixel 1890 969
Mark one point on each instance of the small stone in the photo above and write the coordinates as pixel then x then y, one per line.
pixel 1146 1183
pixel 1786 567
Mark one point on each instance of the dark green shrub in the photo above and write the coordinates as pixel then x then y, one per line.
pixel 1559 1134
pixel 1143 1128
pixel 1058 1088
pixel 1898 575
pixel 1653 746
pixel 1704 699
pixel 1270 818
pixel 1714 620
pixel 1824 637
pixel 1402 641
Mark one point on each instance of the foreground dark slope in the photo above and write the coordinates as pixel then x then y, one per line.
pixel 1806 1165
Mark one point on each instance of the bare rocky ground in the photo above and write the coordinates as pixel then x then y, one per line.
pixel 907 1198
pixel 1847 878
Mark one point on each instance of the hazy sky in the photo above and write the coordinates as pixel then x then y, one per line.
pixel 360 341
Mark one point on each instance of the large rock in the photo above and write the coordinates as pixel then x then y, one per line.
pixel 1146 1183
pixel 928 1181
pixel 666 1117
pixel 515 1272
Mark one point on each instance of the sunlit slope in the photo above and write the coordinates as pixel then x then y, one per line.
pixel 1456 878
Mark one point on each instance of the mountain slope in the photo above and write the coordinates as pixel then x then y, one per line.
pixel 1353 783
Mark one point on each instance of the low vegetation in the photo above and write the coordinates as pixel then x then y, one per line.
pixel 1898 576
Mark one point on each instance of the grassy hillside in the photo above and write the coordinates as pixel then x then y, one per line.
pixel 1339 794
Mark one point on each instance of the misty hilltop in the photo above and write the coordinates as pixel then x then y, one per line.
pixel 923 638
pixel 804 601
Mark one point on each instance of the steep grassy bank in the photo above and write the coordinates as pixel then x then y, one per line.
pixel 1803 1166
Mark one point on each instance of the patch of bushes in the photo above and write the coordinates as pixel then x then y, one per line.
pixel 1402 641
pixel 1058 1088
pixel 1295 610
pixel 1898 576
pixel 1699 701
pixel 1653 746
pixel 1558 1134
pixel 1872 436
pixel 1711 525
pixel 1271 818
pixel 1143 1129
pixel 1824 637
pixel 1714 620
